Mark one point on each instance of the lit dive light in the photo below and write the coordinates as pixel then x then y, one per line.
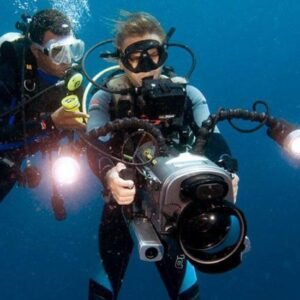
pixel 65 169
pixel 286 135
pixel 292 143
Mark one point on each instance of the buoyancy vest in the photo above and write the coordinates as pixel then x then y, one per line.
pixel 128 105
pixel 121 105
pixel 17 73
pixel 17 55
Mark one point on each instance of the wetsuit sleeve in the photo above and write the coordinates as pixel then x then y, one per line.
pixel 99 110
pixel 99 116
pixel 216 146
pixel 199 106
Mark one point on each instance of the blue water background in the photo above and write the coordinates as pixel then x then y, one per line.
pixel 246 50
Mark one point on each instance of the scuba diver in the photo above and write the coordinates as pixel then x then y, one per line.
pixel 141 50
pixel 32 68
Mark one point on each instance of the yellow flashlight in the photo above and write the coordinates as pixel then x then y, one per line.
pixel 71 103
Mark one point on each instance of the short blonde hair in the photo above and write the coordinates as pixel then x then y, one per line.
pixel 136 24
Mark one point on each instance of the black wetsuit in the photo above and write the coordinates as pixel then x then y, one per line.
pixel 15 58
pixel 115 242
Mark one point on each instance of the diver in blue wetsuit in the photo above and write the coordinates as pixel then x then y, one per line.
pixel 32 65
pixel 141 53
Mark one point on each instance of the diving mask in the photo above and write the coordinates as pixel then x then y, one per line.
pixel 63 51
pixel 144 56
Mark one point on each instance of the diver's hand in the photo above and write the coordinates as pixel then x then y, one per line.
pixel 63 119
pixel 235 185
pixel 122 190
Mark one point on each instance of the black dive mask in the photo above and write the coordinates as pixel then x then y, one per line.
pixel 144 56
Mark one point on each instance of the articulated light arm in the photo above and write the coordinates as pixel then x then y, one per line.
pixel 285 134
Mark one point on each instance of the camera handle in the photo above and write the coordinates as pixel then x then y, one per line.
pixel 142 231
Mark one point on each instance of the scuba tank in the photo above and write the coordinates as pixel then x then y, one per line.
pixel 10 37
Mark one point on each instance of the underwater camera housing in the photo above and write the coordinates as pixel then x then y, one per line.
pixel 163 98
pixel 190 198
pixel 181 196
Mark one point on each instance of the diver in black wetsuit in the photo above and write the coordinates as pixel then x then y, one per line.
pixel 141 53
pixel 32 65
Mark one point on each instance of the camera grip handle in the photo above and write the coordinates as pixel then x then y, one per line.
pixel 127 174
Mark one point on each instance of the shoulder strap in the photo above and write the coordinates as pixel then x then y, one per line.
pixel 12 53
pixel 121 105
pixel 28 63
pixel 14 56
pixel 119 83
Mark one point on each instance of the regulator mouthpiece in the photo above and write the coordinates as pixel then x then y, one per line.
pixel 73 80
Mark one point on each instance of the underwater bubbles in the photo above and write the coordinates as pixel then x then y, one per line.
pixel 28 6
pixel 77 10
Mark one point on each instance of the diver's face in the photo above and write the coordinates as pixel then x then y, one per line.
pixel 137 78
pixel 44 62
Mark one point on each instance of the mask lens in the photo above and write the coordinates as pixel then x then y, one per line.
pixel 60 54
pixel 66 50
pixel 154 54
pixel 77 49
pixel 144 56
pixel 56 51
pixel 133 59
